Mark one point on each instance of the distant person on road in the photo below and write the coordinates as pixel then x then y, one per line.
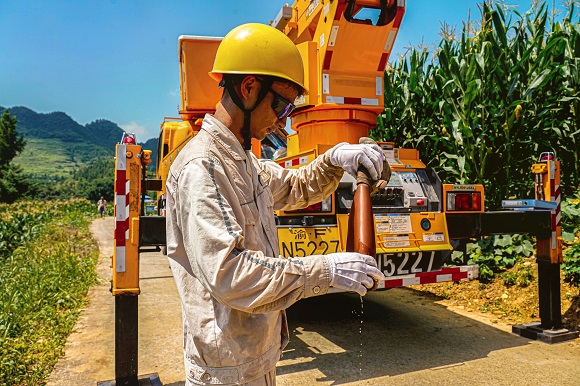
pixel 102 206
pixel 222 242
pixel 161 204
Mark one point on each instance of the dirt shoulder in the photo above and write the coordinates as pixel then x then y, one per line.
pixel 511 298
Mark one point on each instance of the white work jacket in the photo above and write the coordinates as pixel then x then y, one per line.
pixel 223 249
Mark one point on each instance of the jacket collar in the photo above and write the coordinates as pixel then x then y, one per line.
pixel 224 136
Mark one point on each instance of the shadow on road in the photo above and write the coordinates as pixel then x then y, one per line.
pixel 402 331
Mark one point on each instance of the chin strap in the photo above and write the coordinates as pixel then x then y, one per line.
pixel 230 86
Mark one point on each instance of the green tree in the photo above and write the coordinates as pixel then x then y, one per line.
pixel 90 181
pixel 13 184
pixel 11 144
pixel 96 179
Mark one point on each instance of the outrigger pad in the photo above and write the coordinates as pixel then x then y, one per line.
pixel 535 331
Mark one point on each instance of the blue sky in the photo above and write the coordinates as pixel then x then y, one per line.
pixel 117 59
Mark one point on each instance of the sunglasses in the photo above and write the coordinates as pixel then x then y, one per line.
pixel 282 107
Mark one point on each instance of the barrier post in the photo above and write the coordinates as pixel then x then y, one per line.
pixel 549 257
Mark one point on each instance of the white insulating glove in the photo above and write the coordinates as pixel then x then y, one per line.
pixel 352 271
pixel 350 157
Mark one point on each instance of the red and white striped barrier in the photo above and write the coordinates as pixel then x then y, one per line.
pixel 122 185
pixel 294 162
pixel 465 272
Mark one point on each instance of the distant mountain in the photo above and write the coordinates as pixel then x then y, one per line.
pixel 57 144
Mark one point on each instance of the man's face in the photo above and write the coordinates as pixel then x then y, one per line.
pixel 264 118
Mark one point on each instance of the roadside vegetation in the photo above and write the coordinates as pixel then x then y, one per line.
pixel 47 264
pixel 571 236
pixel 480 107
pixel 484 103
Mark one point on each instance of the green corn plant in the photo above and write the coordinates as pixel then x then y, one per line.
pixel 484 105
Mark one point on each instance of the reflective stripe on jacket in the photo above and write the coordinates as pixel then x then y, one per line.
pixel 223 249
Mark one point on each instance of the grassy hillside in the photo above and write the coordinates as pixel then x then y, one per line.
pixel 64 159
pixel 44 157
pixel 56 144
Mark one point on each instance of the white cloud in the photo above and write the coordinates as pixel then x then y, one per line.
pixel 134 127
pixel 174 93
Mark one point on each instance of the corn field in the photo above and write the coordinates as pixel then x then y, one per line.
pixel 47 264
pixel 482 107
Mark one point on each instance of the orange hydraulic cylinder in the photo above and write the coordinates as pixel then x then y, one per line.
pixel 330 126
pixel 361 224
pixel 362 237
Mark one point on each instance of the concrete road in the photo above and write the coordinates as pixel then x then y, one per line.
pixel 396 337
pixel 405 338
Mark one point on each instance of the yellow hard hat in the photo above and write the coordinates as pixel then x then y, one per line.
pixel 258 49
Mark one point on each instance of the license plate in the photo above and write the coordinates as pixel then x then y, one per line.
pixel 300 242
pixel 407 263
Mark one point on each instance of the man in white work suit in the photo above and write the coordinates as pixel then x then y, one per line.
pixel 221 233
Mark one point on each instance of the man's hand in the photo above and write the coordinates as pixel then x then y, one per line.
pixel 350 157
pixel 352 271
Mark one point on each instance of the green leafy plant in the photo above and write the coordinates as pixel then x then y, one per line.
pixel 521 275
pixel 44 280
pixel 495 254
pixel 571 266
pixel 570 209
pixel 17 228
